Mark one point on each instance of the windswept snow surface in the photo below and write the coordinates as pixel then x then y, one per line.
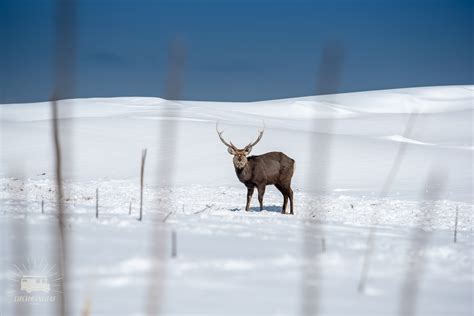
pixel 232 262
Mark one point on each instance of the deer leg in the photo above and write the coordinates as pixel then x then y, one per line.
pixel 290 194
pixel 261 192
pixel 285 197
pixel 249 198
pixel 285 202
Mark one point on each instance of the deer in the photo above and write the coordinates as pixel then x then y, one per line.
pixel 272 168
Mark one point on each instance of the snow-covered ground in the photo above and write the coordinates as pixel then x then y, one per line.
pixel 230 261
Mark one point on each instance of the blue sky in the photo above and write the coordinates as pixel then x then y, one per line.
pixel 237 50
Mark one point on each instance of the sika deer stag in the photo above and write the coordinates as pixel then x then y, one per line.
pixel 259 171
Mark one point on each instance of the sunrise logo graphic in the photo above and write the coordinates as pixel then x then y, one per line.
pixel 34 281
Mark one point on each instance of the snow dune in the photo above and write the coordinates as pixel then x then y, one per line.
pixel 232 262
pixel 365 130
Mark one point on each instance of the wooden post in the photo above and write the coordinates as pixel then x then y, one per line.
pixel 42 206
pixel 130 208
pixel 97 203
pixel 456 225
pixel 142 171
pixel 174 245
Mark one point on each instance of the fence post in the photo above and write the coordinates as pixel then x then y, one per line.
pixel 174 245
pixel 142 171
pixel 456 225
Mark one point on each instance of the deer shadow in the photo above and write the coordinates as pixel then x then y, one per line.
pixel 267 208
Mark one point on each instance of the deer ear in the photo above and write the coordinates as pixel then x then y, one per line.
pixel 231 151
pixel 248 149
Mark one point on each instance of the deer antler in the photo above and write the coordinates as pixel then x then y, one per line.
pixel 222 139
pixel 260 134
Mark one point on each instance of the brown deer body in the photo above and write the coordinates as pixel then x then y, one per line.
pixel 273 168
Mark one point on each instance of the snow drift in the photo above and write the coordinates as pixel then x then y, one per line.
pixel 230 261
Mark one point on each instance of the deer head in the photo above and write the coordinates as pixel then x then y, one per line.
pixel 240 155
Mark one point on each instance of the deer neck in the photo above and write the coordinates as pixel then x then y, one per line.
pixel 244 173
